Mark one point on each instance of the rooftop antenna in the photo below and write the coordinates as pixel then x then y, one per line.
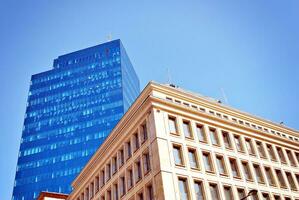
pixel 109 37
pixel 224 96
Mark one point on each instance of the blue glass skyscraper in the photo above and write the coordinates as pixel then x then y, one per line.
pixel 70 111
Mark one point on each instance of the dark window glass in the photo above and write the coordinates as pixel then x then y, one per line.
pixel 226 140
pixel 177 154
pixel 192 158
pixel 207 162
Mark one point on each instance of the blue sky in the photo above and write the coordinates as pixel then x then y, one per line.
pixel 249 48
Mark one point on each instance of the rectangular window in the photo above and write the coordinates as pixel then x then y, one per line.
pixel 270 176
pixel 178 155
pixel 121 157
pixel 136 141
pixel 97 184
pixel 198 188
pixel 102 178
pixel 291 180
pixel 115 192
pixel 228 193
pixel 140 196
pixel 114 165
pixel 122 186
pixel 129 151
pixel 149 192
pixel 281 154
pixel 241 193
pixel 238 143
pixel 220 165
pixel 187 129
pixel 214 192
pixel 183 187
pixel 200 133
pixel 258 173
pixel 247 171
pixel 226 140
pixel 280 178
pixel 91 190
pixel 214 136
pixel 207 162
pixel 138 173
pixel 144 133
pixel 146 162
pixel 271 152
pixel 109 195
pixel 193 161
pixel 108 171
pixel 172 125
pixel 249 146
pixel 130 178
pixel 291 158
pixel 234 168
pixel 260 149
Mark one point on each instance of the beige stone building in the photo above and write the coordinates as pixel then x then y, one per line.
pixel 173 144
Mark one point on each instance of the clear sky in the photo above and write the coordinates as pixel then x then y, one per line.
pixel 249 48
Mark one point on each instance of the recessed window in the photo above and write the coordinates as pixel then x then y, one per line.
pixel 214 136
pixel 271 152
pixel 281 155
pixel 102 178
pixel 258 173
pixel 238 143
pixel 220 165
pixel 226 140
pixel 149 192
pixel 291 180
pixel 207 162
pixel 138 173
pixel 183 187
pixel 234 168
pixel 115 192
pixel 198 188
pixel 121 157
pixel 172 125
pixel 136 141
pixel 214 191
pixel 291 158
pixel 97 184
pixel 187 129
pixel 114 165
pixel 260 149
pixel 146 162
pixel 144 133
pixel 280 178
pixel 269 176
pixel 108 171
pixel 200 133
pixel 241 193
pixel 109 195
pixel 247 171
pixel 122 186
pixel 140 196
pixel 228 193
pixel 249 146
pixel 178 155
pixel 129 149
pixel 193 161
pixel 130 178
